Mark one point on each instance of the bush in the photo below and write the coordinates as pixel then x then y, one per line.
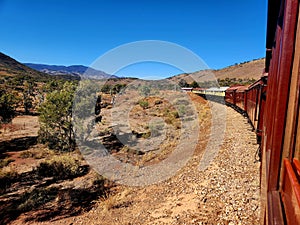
pixel 39 196
pixel 106 88
pixel 144 90
pixel 144 104
pixel 8 105
pixel 60 167
pixel 6 179
pixel 56 119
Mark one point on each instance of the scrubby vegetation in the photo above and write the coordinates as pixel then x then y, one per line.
pixel 8 105
pixel 144 103
pixel 56 119
pixel 112 89
pixel 6 179
pixel 234 81
pixel 219 82
pixel 41 177
pixel 60 167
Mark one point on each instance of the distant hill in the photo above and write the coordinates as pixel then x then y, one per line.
pixel 75 70
pixel 246 70
pixel 252 69
pixel 11 67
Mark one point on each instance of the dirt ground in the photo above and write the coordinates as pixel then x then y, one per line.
pixel 21 126
pixel 19 135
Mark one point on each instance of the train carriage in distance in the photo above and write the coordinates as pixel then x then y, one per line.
pixel 240 97
pixel 255 100
pixel 235 97
pixel 213 91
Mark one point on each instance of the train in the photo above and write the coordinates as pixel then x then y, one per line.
pixel 272 107
pixel 250 101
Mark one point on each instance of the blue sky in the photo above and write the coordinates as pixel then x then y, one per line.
pixel 66 32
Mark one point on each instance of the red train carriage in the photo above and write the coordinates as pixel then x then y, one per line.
pixel 235 97
pixel 280 189
pixel 255 101
pixel 273 105
pixel 230 96
pixel 240 97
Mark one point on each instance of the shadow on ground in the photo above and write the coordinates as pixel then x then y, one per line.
pixel 17 144
pixel 42 199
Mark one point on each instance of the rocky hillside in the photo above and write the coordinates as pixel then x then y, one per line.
pixel 11 67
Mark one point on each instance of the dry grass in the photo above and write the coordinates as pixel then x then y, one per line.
pixel 252 69
pixel 116 201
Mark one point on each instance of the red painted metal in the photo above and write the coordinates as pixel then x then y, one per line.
pixel 255 101
pixel 282 80
pixel 252 102
pixel 272 85
pixel 230 95
pixel 279 67
pixel 235 96
pixel 240 97
pixel 296 164
pixel 275 213
pixel 265 103
pixel 290 194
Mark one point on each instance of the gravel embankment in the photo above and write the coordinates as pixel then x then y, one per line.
pixel 226 192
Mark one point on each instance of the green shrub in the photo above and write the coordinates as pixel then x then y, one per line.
pixel 8 105
pixel 99 181
pixel 155 128
pixel 106 88
pixel 59 167
pixel 39 196
pixel 56 128
pixel 144 104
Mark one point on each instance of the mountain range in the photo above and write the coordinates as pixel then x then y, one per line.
pixel 75 70
pixel 11 67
